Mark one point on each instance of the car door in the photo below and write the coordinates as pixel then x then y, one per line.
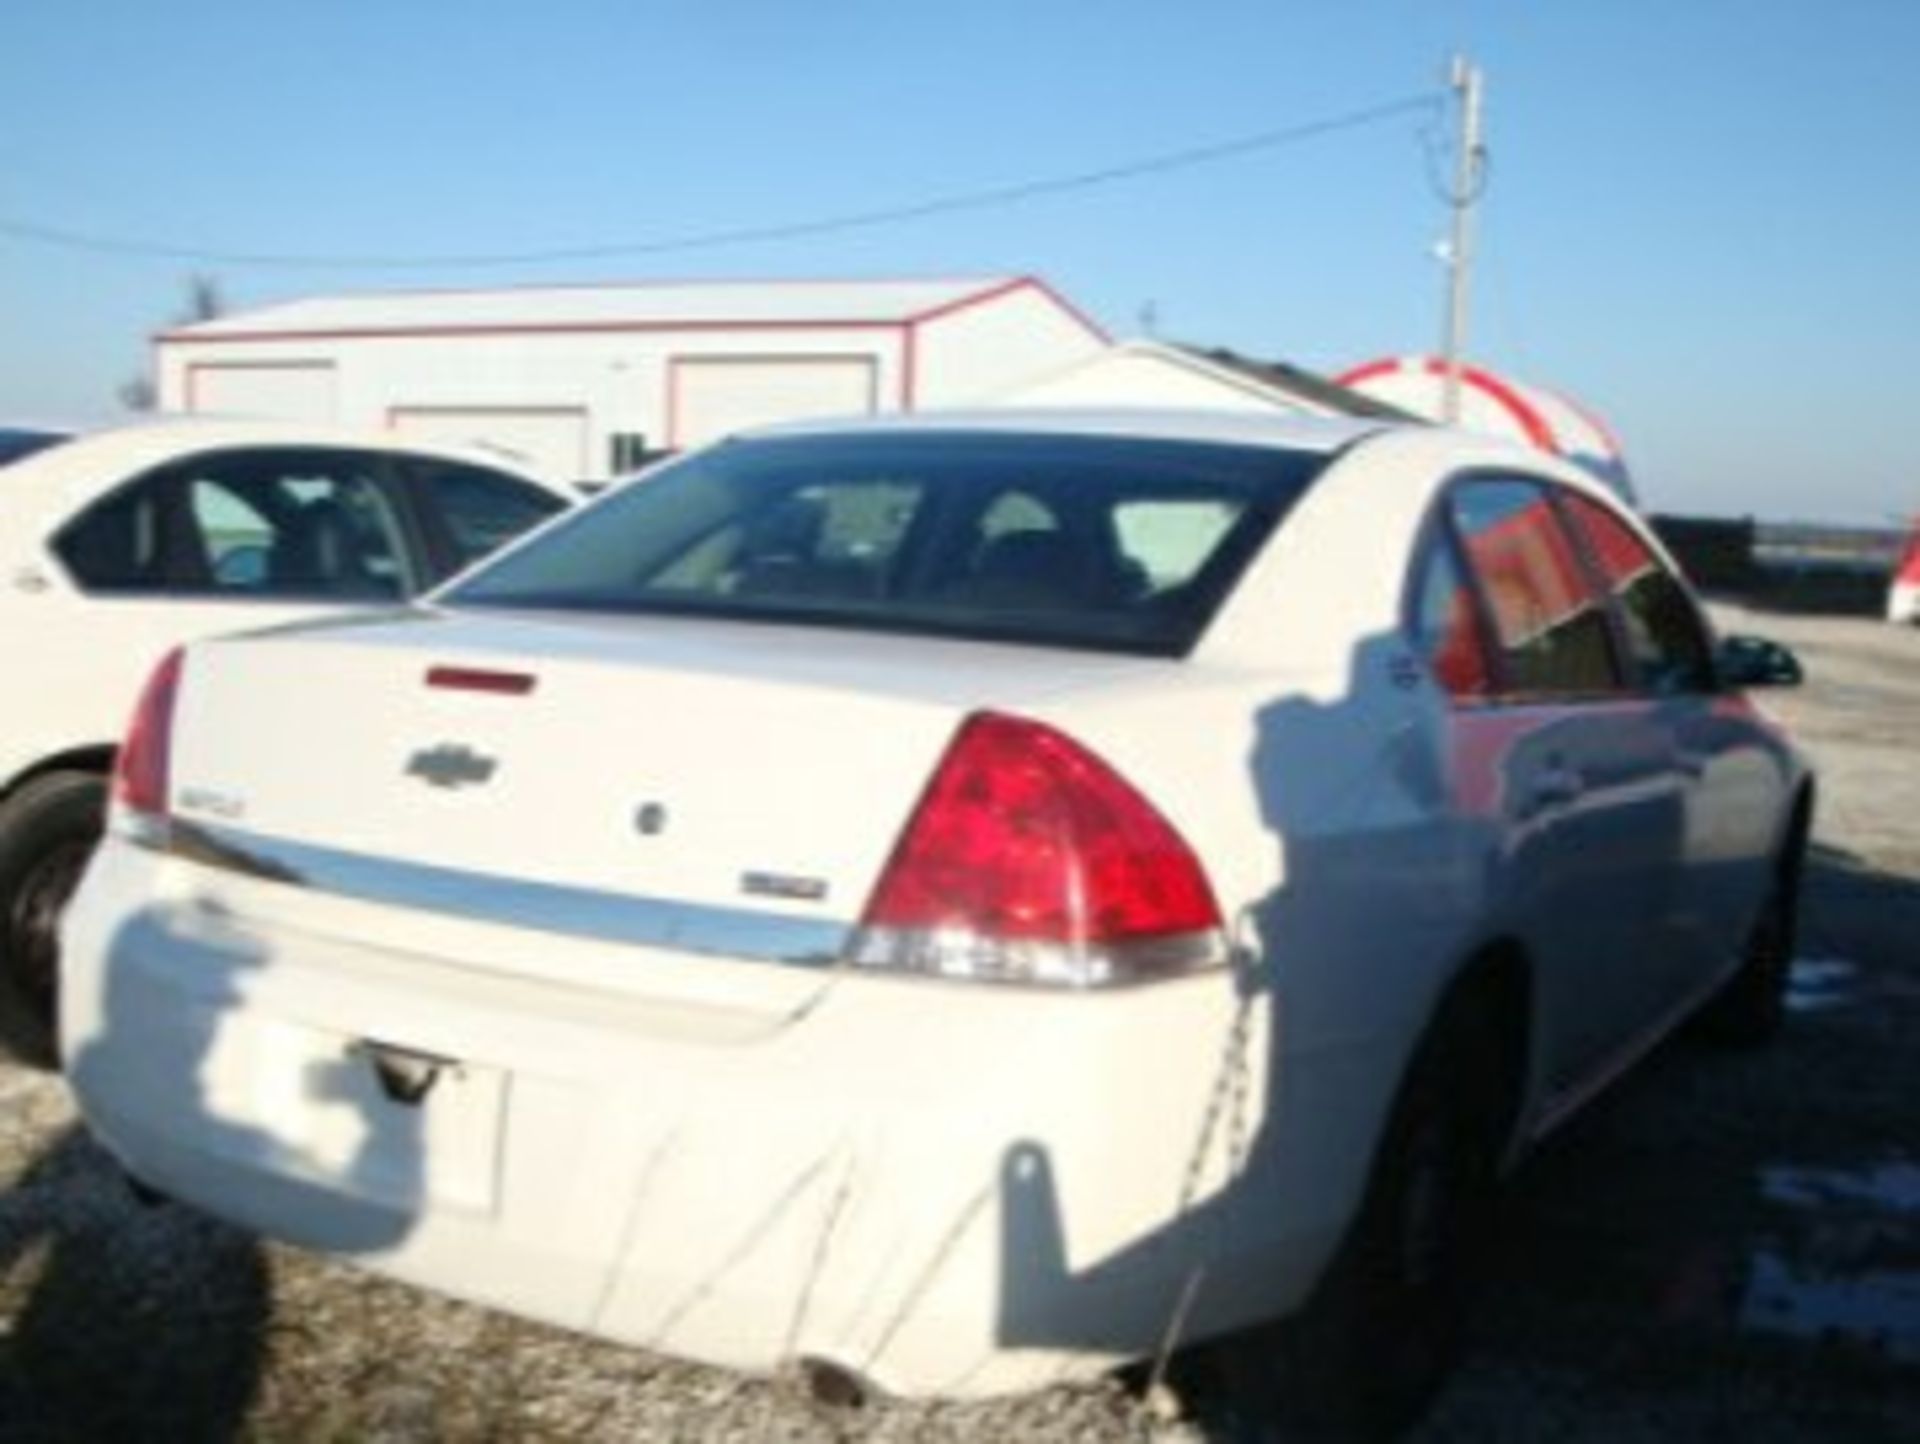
pixel 1555 756
pixel 1730 770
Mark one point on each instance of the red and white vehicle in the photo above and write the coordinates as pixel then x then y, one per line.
pixel 1903 596
pixel 120 544
pixel 961 901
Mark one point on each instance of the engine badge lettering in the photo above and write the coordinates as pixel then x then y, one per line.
pixel 208 803
pixel 782 885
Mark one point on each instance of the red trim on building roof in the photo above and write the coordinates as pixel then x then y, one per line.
pixel 987 292
pixel 909 366
pixel 1536 427
pixel 1596 421
pixel 1093 327
pixel 1007 288
pixel 969 301
pixel 519 328
pixel 661 283
pixel 1368 371
pixel 1517 406
pixel 1521 409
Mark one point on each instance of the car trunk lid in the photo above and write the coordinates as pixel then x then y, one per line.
pixel 657 781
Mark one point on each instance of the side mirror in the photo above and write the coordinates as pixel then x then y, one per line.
pixel 1756 662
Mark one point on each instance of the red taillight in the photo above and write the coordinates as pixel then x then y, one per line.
pixel 140 776
pixel 1030 859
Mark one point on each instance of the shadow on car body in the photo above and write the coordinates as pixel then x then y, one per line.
pixel 1393 779
pixel 1248 1180
pixel 1729 1243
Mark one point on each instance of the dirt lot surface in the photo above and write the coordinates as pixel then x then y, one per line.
pixel 1726 1248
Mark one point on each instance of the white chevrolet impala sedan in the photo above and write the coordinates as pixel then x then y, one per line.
pixel 949 904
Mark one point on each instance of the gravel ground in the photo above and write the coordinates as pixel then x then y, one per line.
pixel 1728 1247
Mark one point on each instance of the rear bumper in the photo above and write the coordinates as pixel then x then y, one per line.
pixel 947 1189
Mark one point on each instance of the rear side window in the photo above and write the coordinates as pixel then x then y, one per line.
pixel 246 523
pixel 1549 622
pixel 1447 628
pixel 293 524
pixel 1666 643
pixel 120 544
pixel 1126 544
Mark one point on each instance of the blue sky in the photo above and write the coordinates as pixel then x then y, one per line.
pixel 1703 218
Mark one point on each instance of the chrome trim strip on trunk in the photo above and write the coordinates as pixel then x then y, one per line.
pixel 744 933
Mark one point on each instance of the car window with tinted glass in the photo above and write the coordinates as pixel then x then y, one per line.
pixel 1170 538
pixel 119 543
pixel 290 524
pixel 480 510
pixel 1667 645
pixel 1128 544
pixel 821 541
pixel 1446 627
pixel 1549 621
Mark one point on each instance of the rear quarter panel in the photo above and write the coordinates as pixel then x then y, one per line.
pixel 1299 752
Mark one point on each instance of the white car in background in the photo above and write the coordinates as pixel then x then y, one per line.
pixel 949 904
pixel 117 545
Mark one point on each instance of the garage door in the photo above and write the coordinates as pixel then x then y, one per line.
pixel 711 397
pixel 278 390
pixel 548 440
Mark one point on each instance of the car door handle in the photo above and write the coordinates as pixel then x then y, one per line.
pixel 1555 786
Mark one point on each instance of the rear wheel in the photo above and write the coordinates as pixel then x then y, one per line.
pixel 1384 1326
pixel 1752 1006
pixel 48 830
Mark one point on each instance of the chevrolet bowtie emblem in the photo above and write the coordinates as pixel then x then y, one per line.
pixel 450 765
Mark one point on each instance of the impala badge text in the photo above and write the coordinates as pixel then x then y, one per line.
pixel 775 884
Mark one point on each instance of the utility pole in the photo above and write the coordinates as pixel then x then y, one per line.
pixel 1469 178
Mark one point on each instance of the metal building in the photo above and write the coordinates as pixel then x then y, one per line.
pixel 582 382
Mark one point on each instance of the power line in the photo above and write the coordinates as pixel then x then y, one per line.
pixel 42 233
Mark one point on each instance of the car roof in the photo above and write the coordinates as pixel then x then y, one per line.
pixel 47 487
pixel 1249 428
pixel 170 432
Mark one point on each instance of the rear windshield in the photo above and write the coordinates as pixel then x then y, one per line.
pixel 1111 543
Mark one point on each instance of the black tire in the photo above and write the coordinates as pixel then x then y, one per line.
pixel 48 830
pixel 1751 1007
pixel 1377 1338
